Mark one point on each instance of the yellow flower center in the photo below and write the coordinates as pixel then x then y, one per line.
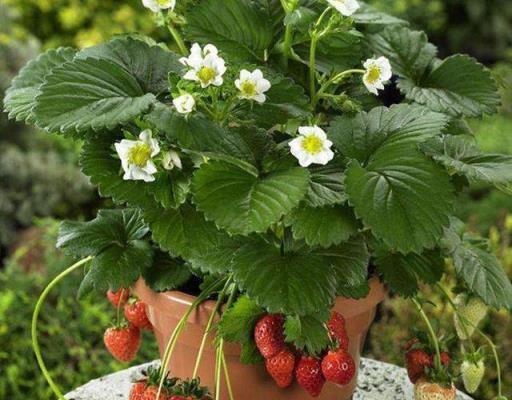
pixel 312 144
pixel 248 88
pixel 206 74
pixel 373 74
pixel 139 154
pixel 162 3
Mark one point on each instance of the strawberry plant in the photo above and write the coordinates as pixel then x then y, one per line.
pixel 279 154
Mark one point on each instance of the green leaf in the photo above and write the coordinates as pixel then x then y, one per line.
pixel 359 136
pixel 350 261
pixel 387 194
pixel 170 188
pixel 458 86
pixel 19 98
pixel 149 64
pixel 241 202
pixel 307 333
pixel 250 354
pixel 402 272
pixel 89 94
pixel 238 322
pixel 326 186
pixel 166 273
pixel 369 15
pixel 296 283
pixel 237 27
pixel 115 239
pixel 310 224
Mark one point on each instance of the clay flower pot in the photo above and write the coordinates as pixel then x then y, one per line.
pixel 249 382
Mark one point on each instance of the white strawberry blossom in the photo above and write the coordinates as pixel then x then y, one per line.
pixel 206 67
pixel 185 103
pixel 137 157
pixel 378 72
pixel 171 159
pixel 252 85
pixel 157 5
pixel 311 146
pixel 345 7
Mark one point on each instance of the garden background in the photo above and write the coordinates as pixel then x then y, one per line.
pixel 40 183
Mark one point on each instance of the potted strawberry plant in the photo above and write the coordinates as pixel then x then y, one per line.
pixel 272 169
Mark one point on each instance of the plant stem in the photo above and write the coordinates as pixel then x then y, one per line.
pixel 335 79
pixel 177 38
pixel 118 308
pixel 312 68
pixel 287 45
pixel 433 337
pixel 218 367
pixel 226 375
pixel 35 317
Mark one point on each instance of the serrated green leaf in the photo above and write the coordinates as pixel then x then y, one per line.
pixel 402 272
pixel 361 135
pixel 149 64
pixel 20 97
pixel 89 94
pixel 239 28
pixel 241 202
pixel 307 333
pixel 326 186
pixel 170 188
pixel 166 273
pixel 369 15
pixel 324 226
pixel 386 195
pixel 238 322
pixel 295 283
pixel 250 354
pixel 458 86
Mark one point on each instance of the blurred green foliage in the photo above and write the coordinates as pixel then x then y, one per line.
pixel 71 332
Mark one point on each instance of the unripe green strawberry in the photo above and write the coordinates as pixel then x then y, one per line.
pixel 472 312
pixel 472 375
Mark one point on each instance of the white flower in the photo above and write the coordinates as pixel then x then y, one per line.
pixel 185 103
pixel 171 159
pixel 157 5
pixel 312 146
pixel 206 67
pixel 378 72
pixel 136 157
pixel 252 85
pixel 345 7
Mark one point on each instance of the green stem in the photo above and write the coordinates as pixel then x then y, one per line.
pixel 335 79
pixel 287 46
pixel 227 377
pixel 177 38
pixel 312 69
pixel 35 317
pixel 433 337
pixel 218 367
pixel 118 308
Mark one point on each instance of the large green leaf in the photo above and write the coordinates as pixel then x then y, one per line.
pixel 361 135
pixel 307 333
pixel 311 224
pixel 239 28
pixel 166 273
pixel 402 272
pixel 150 65
pixel 295 283
pixel 115 239
pixel 89 94
pixel 242 202
pixel 326 186
pixel 459 86
pixel 19 98
pixel 238 322
pixel 369 15
pixel 403 197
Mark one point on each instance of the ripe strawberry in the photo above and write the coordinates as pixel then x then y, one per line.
pixel 339 367
pixel 151 393
pixel 181 398
pixel 472 374
pixel 432 391
pixel 281 367
pixel 136 314
pixel 445 359
pixel 119 298
pixel 123 342
pixel 337 330
pixel 137 391
pixel 416 361
pixel 309 375
pixel 470 313
pixel 269 335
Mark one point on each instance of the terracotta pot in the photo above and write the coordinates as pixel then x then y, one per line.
pixel 249 382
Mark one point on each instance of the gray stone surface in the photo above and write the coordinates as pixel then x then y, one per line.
pixel 377 381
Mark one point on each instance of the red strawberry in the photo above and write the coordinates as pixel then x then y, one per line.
pixel 281 368
pixel 339 367
pixel 123 343
pixel 137 392
pixel 119 298
pixel 136 314
pixel 445 359
pixel 269 335
pixel 180 398
pixel 337 330
pixel 309 375
pixel 416 361
pixel 151 392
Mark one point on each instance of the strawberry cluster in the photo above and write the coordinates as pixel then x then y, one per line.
pixel 124 338
pixel 172 389
pixel 419 359
pixel 285 364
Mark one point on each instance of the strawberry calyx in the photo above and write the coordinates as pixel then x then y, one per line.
pixel 191 389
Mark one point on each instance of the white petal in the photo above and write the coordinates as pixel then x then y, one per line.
pixel 245 75
pixel 257 74
pixel 151 4
pixel 191 75
pixel 260 98
pixel 210 49
pixel 238 84
pixel 319 132
pixel 324 157
pixel 306 130
pixel 263 85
